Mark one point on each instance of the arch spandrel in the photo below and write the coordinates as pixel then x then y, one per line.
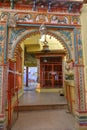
pixel 18 36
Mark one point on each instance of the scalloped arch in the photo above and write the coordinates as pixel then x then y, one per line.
pixel 35 32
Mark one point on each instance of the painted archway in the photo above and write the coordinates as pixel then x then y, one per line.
pixel 32 32
pixel 73 46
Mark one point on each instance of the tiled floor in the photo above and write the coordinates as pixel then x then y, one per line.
pixel 45 120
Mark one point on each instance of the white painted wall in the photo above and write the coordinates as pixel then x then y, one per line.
pixel 84 40
pixel 32 74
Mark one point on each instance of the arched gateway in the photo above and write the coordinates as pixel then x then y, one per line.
pixel 15 28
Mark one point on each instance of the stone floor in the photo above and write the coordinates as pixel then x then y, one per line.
pixel 35 98
pixel 45 120
pixel 31 86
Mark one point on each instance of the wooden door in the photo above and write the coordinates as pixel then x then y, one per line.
pixel 14 85
pixel 51 73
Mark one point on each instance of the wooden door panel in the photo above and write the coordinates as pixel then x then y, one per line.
pixel 51 74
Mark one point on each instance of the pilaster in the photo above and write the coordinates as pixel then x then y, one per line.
pixel 81 120
pixel 3 95
pixel 80 95
pixel 3 75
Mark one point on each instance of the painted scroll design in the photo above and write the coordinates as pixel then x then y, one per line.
pixel 66 35
pixel 2 40
pixel 80 51
pixel 14 35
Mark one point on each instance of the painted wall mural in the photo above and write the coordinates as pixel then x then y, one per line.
pixel 75 20
pixel 47 18
pixel 59 19
pixel 37 17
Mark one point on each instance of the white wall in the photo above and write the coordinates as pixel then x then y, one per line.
pixel 84 40
pixel 32 74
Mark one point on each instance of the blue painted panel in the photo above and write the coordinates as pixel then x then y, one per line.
pixel 16 33
pixel 1 37
pixel 1 28
pixel 0 50
pixel 75 46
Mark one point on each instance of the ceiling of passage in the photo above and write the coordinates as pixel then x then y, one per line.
pixel 34 43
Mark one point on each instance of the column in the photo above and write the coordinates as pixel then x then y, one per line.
pixel 3 96
pixel 38 72
pixel 3 74
pixel 81 110
pixel 26 76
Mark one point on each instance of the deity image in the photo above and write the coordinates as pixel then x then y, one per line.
pixel 41 18
pixel 54 19
pixel 23 18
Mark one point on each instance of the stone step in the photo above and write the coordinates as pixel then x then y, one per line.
pixel 41 107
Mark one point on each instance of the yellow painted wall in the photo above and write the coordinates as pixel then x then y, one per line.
pixel 22 46
pixel 84 40
pixel 69 88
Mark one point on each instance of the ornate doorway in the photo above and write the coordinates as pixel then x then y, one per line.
pixel 69 35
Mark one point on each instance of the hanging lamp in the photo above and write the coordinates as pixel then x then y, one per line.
pixel 43 32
